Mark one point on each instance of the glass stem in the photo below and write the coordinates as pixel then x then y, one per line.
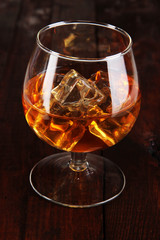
pixel 78 161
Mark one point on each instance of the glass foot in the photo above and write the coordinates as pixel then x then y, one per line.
pixel 53 179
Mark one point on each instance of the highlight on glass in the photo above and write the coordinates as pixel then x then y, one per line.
pixel 80 94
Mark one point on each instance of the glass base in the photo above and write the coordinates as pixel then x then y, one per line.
pixel 100 182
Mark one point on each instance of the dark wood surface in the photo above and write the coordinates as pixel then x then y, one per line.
pixel 135 215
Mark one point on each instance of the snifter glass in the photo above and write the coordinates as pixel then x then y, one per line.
pixel 80 95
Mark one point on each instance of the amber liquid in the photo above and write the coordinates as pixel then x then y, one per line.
pixel 80 133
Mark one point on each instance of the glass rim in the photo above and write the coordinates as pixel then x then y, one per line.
pixel 72 58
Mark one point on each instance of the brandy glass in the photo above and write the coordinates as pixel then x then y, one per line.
pixel 80 95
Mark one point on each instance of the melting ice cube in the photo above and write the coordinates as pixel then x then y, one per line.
pixel 76 93
pixel 101 80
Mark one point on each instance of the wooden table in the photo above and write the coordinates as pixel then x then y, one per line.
pixel 135 215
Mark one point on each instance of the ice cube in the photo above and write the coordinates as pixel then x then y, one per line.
pixel 65 133
pixel 38 121
pixel 101 129
pixel 112 130
pixel 75 94
pixel 65 87
pixel 95 111
pixel 56 131
pixel 101 80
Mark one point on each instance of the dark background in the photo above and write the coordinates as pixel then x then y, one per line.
pixel 135 215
